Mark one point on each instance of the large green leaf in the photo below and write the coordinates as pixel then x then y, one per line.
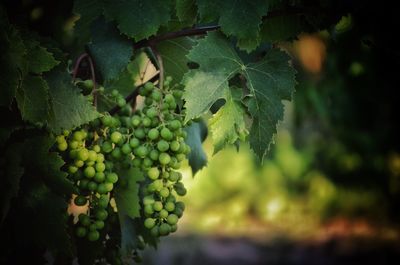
pixel 281 28
pixel 69 108
pixel 33 99
pixel 39 59
pixel 186 10
pixel 110 51
pixel 138 19
pixel 173 53
pixel 228 123
pixel 269 81
pixel 88 11
pixel 239 18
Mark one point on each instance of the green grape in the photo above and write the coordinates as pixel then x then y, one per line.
pixel 153 173
pixel 149 223
pixel 148 209
pixel 116 153
pixel 80 200
pixel 157 206
pixel 164 158
pixel 83 184
pixel 164 192
pixel 107 147
pixel 163 213
pixel 154 231
pixel 92 186
pixel 72 169
pixel 92 155
pixel 156 95
pixel 126 149
pixel 174 146
pixel 153 134
pixel 162 145
pixel 112 177
pixel 169 206
pixel 84 219
pixel 97 148
pixel 81 231
pixel 180 205
pixel 166 134
pixel 148 87
pixel 134 142
pixel 174 228
pixel 103 201
pixel 101 215
pixel 73 144
pixel 109 186
pixel 99 224
pixel 140 134
pixel 92 227
pixel 146 122
pixel 93 235
pixel 154 155
pixel 135 121
pixel 62 146
pixel 142 151
pixel 151 113
pixel 172 219
pixel 116 137
pixel 101 188
pixel 89 172
pixel 148 200
pixel 100 167
pixel 164 229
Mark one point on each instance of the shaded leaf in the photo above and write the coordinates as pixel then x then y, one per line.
pixel 196 134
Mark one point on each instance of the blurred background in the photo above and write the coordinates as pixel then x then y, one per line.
pixel 329 191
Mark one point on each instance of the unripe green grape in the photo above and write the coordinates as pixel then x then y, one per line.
pixel 164 106
pixel 72 169
pixel 155 122
pixel 172 219
pixel 142 151
pixel 84 219
pixel 116 153
pixel 164 158
pixel 164 192
pixel 81 231
pixel 137 162
pixel 116 137
pixel 92 186
pixel 171 198
pixel 154 231
pixel 147 200
pixel 154 155
pixel 100 167
pixel 73 144
pixel 93 236
pixel 149 223
pixel 180 205
pixel 169 98
pixel 156 95
pixel 174 146
pixel 148 87
pixel 174 228
pixel 166 134
pixel 73 154
pixel 169 206
pixel 107 147
pixel 178 212
pixel 89 172
pixel 146 122
pixel 60 139
pixel 99 224
pixel 115 93
pixel 163 213
pixel 165 175
pixel 158 184
pixel 109 186
pixel 135 121
pixel 89 163
pixel 147 163
pixel 153 173
pixel 151 113
pixel 103 201
pixel 134 142
pixel 148 209
pixel 172 105
pixel 112 177
pixel 121 102
pixel 162 145
pixel 180 157
pixel 126 149
pixel 96 148
pixel 164 229
pixel 178 94
pixel 101 215
pixel 174 176
pixel 181 191
pixel 107 121
pixel 175 125
pixel 139 133
pixel 109 165
pixel 78 136
pixel 92 155
pixel 157 206
pixel 101 188
pixel 100 158
pixel 80 200
pixel 62 146
pixel 153 134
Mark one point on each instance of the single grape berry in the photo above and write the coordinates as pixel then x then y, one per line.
pixel 157 206
pixel 100 167
pixel 84 219
pixel 164 158
pixel 153 173
pixel 164 192
pixel 164 229
pixel 116 137
pixel 101 215
pixel 134 142
pixel 93 235
pixel 169 206
pixel 162 146
pixel 153 134
pixel 149 223
pixel 126 149
pixel 163 213
pixel 81 231
pixel 172 219
pixel 80 200
pixel 166 134
pixel 89 172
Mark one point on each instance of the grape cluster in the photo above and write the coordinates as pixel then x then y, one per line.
pixel 150 138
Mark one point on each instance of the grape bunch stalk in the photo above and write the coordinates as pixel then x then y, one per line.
pixel 151 138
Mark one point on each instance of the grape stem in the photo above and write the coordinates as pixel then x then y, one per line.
pixel 92 72
pixel 160 65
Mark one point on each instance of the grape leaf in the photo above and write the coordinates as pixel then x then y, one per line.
pixel 69 108
pixel 196 134
pixel 240 18
pixel 127 198
pixel 186 11
pixel 39 60
pixel 138 19
pixel 33 99
pixel 12 173
pixel 173 53
pixel 227 123
pixel 106 40
pixel 269 81
pixel 12 61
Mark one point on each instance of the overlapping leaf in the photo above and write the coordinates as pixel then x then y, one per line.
pixel 270 81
